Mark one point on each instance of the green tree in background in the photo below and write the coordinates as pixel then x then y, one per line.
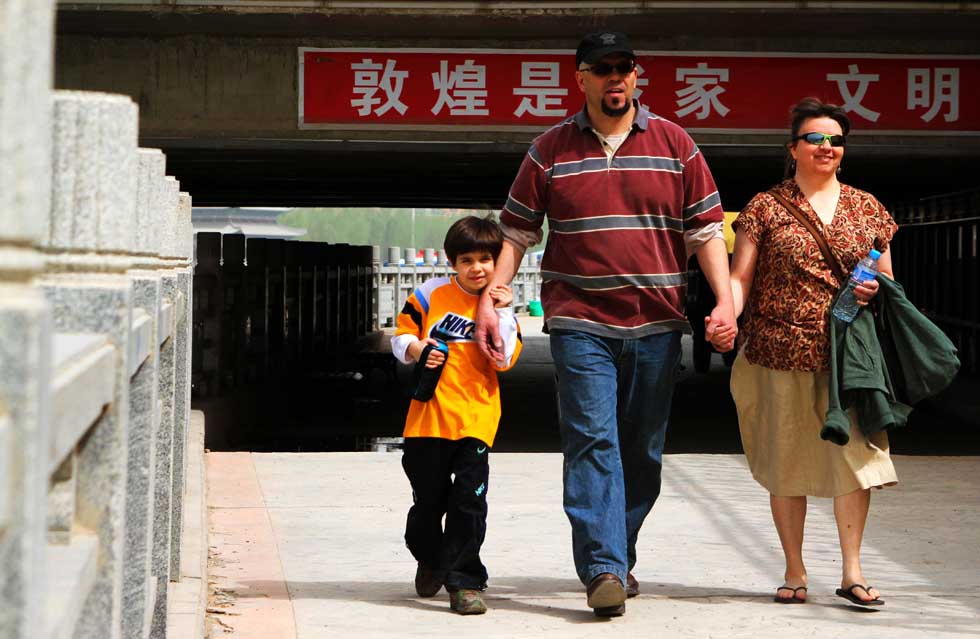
pixel 383 227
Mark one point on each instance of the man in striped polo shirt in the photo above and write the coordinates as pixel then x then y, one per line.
pixel 628 197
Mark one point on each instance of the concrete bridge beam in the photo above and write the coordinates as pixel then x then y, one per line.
pixel 217 84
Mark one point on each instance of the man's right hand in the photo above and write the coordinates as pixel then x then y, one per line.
pixel 487 331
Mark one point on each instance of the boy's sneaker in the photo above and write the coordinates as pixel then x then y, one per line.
pixel 467 602
pixel 428 582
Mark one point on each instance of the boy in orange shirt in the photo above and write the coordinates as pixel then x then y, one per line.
pixel 448 437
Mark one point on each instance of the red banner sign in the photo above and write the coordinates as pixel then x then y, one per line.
pixel 436 89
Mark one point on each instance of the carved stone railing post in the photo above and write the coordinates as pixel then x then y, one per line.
pixel 26 47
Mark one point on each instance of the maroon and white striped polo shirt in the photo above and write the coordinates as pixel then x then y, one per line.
pixel 616 263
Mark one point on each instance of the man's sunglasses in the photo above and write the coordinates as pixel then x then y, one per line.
pixel 818 139
pixel 602 69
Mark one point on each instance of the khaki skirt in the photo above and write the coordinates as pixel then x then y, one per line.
pixel 780 414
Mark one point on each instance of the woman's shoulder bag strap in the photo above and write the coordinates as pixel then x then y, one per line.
pixel 821 242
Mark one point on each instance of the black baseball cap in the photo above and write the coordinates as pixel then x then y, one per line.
pixel 596 46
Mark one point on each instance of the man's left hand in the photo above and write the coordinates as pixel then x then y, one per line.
pixel 487 331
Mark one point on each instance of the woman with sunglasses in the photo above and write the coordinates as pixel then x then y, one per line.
pixel 780 377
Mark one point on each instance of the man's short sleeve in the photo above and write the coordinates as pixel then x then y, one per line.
pixel 527 201
pixel 702 204
pixel 521 238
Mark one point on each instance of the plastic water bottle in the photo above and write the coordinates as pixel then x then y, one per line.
pixel 426 378
pixel 847 307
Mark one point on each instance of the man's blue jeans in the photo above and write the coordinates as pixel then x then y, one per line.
pixel 613 405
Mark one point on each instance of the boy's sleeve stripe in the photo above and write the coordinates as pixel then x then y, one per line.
pixel 422 300
pixel 413 313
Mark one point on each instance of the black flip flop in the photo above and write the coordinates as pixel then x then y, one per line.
pixel 848 593
pixel 789 600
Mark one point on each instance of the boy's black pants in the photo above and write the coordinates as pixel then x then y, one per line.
pixel 448 478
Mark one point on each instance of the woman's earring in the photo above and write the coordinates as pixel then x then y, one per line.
pixel 838 169
pixel 792 166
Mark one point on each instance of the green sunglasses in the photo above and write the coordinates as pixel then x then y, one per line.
pixel 817 139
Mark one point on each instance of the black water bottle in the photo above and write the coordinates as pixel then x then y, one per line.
pixel 427 378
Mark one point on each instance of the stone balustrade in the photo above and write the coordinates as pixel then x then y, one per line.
pixel 95 298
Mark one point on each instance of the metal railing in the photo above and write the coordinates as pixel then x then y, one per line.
pixel 398 277
pixel 269 309
pixel 935 258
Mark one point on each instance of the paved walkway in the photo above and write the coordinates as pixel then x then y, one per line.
pixel 310 545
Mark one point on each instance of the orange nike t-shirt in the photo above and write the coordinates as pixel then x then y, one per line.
pixel 466 402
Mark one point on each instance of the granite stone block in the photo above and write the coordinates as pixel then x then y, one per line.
pixel 61 502
pixel 170 217
pixel 158 211
pixel 26 78
pixel 101 304
pixel 141 344
pixel 185 227
pixel 84 366
pixel 64 174
pixel 143 390
pixel 152 166
pixel 157 205
pixel 117 174
pixel 71 571
pixel 182 411
pixel 94 187
pixel 26 73
pixel 6 470
pixel 84 151
pixel 25 374
pixel 163 469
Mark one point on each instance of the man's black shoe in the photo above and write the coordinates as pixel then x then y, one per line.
pixel 428 582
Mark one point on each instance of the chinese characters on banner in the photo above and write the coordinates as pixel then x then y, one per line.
pixel 342 88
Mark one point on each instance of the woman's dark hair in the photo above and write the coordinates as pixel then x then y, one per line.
pixel 804 110
pixel 473 233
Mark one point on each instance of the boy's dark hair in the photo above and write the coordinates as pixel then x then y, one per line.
pixel 473 233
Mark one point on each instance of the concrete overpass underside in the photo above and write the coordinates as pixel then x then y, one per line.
pixel 218 89
pixel 468 176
